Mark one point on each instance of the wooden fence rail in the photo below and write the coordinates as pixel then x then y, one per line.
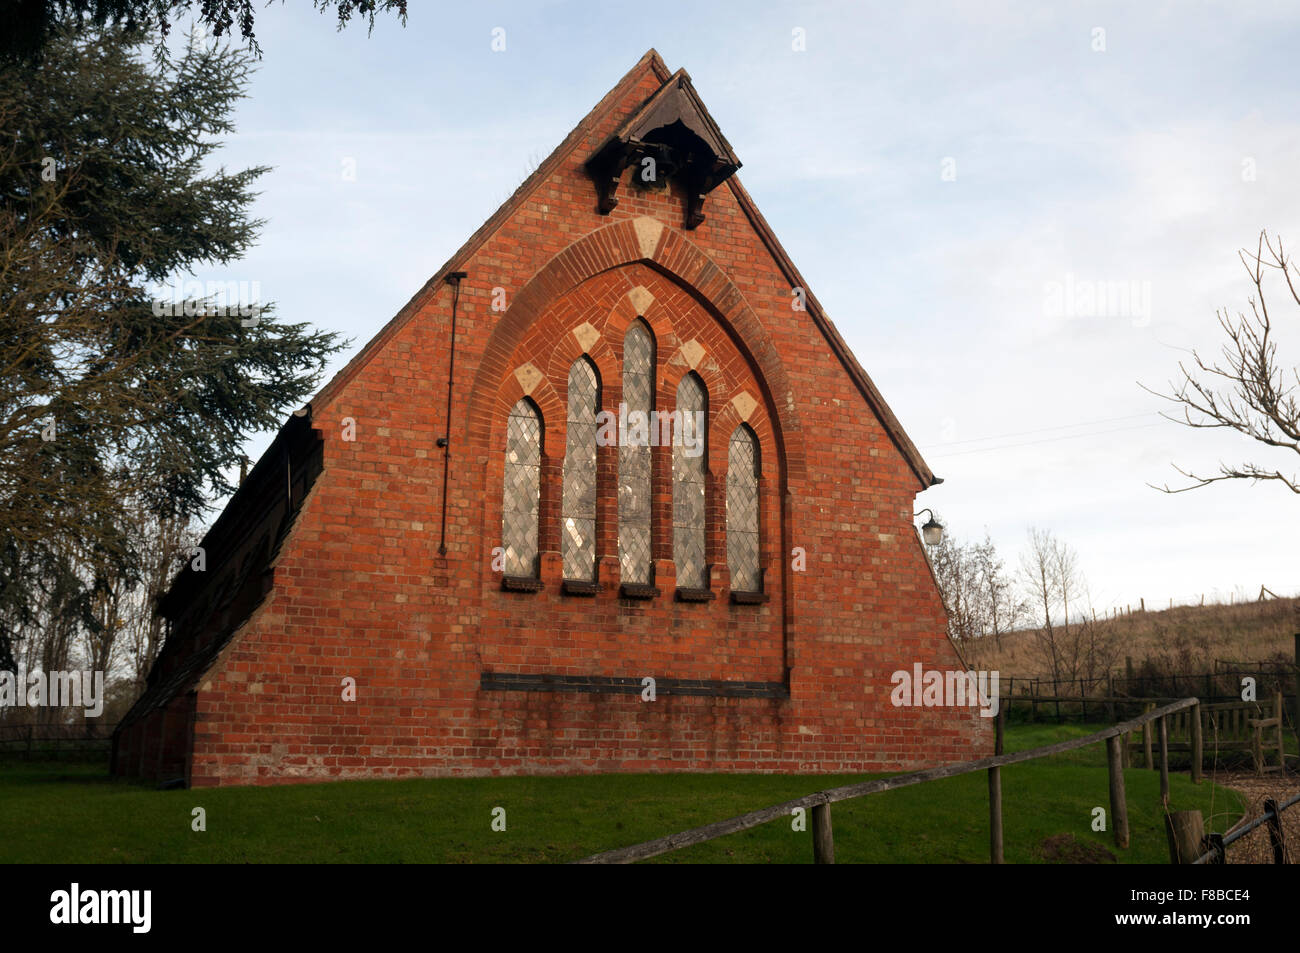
pixel 819 802
pixel 1217 844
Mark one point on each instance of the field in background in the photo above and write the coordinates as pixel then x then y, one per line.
pixel 1184 639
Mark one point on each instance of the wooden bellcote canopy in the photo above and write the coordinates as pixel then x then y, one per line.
pixel 675 131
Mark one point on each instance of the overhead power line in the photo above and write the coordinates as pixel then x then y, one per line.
pixel 1026 433
pixel 1029 443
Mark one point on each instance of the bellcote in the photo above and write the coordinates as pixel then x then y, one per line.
pixel 671 137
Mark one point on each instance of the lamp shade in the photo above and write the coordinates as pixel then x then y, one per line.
pixel 932 533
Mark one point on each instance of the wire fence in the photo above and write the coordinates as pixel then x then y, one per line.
pixel 1107 698
pixel 91 741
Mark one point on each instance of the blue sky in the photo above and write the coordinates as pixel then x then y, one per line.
pixel 1068 164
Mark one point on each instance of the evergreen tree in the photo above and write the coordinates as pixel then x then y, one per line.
pixel 106 404
pixel 26 26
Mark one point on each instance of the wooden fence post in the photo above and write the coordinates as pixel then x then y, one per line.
pixel 1257 747
pixel 1118 806
pixel 1164 763
pixel 1198 750
pixel 995 797
pixel 1275 838
pixel 1295 720
pixel 1185 830
pixel 995 815
pixel 1279 712
pixel 823 837
pixel 1146 736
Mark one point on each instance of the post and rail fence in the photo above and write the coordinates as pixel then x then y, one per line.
pixel 1216 845
pixel 1071 699
pixel 819 803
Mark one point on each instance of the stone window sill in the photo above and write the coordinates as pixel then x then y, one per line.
pixel 638 590
pixel 695 595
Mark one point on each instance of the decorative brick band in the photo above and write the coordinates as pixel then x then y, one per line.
pixel 615 685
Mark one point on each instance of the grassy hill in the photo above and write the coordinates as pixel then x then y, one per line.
pixel 1184 639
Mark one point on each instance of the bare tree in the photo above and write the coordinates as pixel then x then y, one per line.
pixel 1072 643
pixel 1039 580
pixel 956 572
pixel 1069 581
pixel 102 616
pixel 980 597
pixel 1099 641
pixel 1051 576
pixel 164 547
pixel 1248 392
pixel 1003 609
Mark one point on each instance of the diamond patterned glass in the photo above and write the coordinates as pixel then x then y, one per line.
pixel 688 487
pixel 634 461
pixel 742 511
pixel 522 485
pixel 578 508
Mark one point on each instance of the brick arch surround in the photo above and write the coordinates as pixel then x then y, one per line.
pixel 688 340
pixel 648 241
pixel 562 314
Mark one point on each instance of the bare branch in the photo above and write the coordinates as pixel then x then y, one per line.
pixel 1245 390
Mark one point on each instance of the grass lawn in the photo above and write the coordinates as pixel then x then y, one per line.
pixel 74 813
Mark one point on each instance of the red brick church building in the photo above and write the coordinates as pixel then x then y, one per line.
pixel 499 542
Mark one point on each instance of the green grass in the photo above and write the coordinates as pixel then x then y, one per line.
pixel 71 813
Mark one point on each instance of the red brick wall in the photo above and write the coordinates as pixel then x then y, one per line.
pixel 361 591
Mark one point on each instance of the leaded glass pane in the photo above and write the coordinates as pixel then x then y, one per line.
pixel 578 507
pixel 522 488
pixel 634 461
pixel 689 486
pixel 742 511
